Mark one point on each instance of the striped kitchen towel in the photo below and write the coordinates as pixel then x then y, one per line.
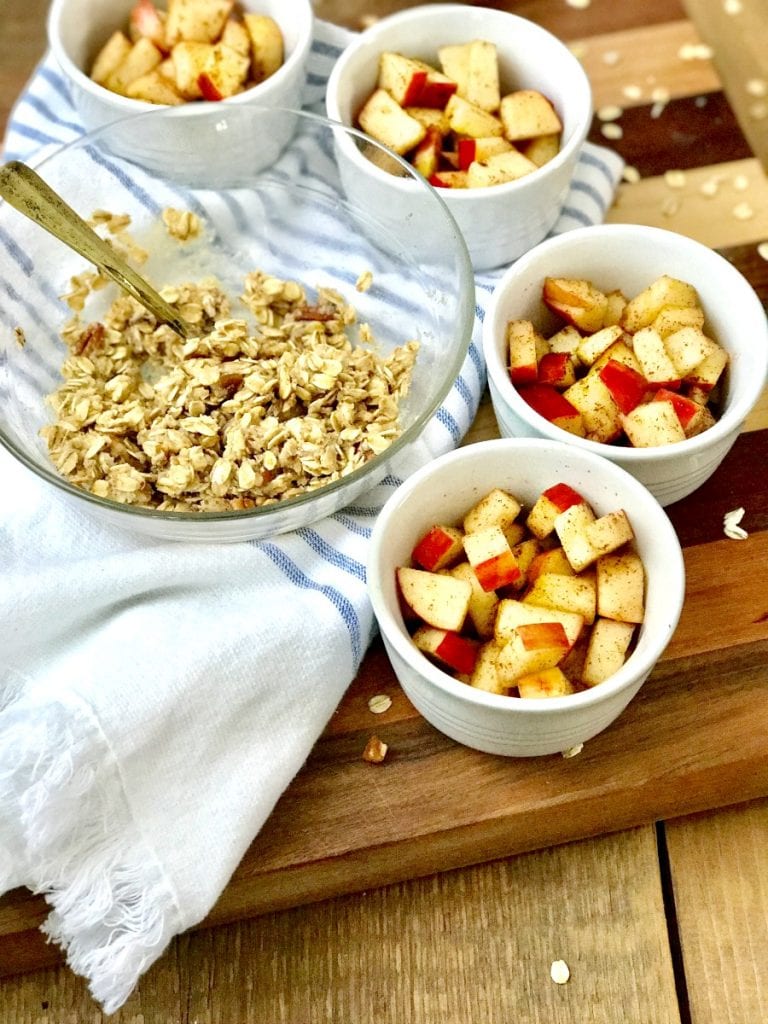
pixel 156 699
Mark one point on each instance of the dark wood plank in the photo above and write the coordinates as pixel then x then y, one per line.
pixel 695 131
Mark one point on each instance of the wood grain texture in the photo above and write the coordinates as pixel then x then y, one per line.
pixel 720 877
pixel 739 54
pixel 491 931
pixel 476 944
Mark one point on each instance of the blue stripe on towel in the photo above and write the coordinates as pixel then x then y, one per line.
pixel 341 603
pixel 330 554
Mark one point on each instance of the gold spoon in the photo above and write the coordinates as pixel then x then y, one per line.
pixel 26 191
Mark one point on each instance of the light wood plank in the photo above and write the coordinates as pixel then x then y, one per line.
pixel 738 42
pixel 646 59
pixel 690 210
pixel 720 876
pixel 475 945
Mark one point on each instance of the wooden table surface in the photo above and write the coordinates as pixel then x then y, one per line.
pixel 662 922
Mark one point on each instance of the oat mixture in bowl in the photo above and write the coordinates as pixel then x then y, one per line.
pixel 236 418
pixel 177 439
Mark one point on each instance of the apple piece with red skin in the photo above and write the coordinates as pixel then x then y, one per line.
pixel 553 406
pixel 469 150
pixel 557 369
pixel 600 415
pixel 413 83
pixel 707 373
pixel 386 121
pixel 438 600
pixel 685 408
pixel 652 424
pixel 449 179
pixel 144 20
pixel 532 647
pixel 457 652
pixel 525 346
pixel 577 301
pixel 628 387
pixel 549 682
pixel 426 156
pixel 224 73
pixel 489 554
pixel 512 613
pixel 438 548
pixel 548 506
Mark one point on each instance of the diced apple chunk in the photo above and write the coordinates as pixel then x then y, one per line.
pixel 142 58
pixel 110 56
pixel 595 344
pixel 483 604
pixel 568 593
pixel 621 587
pixel 490 555
pixel 541 149
pixel 609 532
pixel 452 649
pixel 154 87
pixel 554 406
pixel 527 113
pixel 654 423
pixel 643 309
pixel 201 21
pixel 577 301
pixel 267 46
pixel 571 528
pixel 548 506
pixel 658 369
pixel 465 118
pixel 385 120
pixel 496 508
pixel 550 682
pixel 606 651
pixel 513 613
pixel 485 675
pixel 531 648
pixel 440 601
pixel 438 548
pixel 499 169
pixel 600 414
pixel 525 347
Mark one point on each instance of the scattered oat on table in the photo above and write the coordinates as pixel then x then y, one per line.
pixel 559 972
pixel 743 211
pixel 695 51
pixel 762 250
pixel 580 5
pixel 380 703
pixel 733 6
pixel 675 179
pixel 611 57
pixel 573 751
pixel 375 750
pixel 757 87
pixel 731 527
pixel 630 174
pixel 611 130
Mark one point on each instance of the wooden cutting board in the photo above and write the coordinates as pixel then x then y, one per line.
pixel 696 737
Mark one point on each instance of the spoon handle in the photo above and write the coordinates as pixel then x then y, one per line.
pixel 26 191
